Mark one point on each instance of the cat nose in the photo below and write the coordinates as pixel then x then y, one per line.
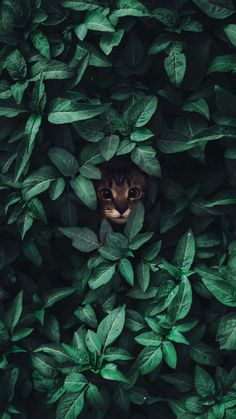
pixel 122 208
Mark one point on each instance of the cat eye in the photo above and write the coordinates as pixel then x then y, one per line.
pixel 134 193
pixel 106 194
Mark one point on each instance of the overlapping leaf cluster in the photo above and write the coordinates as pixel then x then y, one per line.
pixel 97 321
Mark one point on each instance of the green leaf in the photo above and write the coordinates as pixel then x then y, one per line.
pixel 14 311
pixel 90 171
pixel 143 275
pixel 86 315
pixel 81 68
pixel 175 336
pixel 125 146
pixel 110 40
pixel 110 252
pixel 203 354
pixel 171 141
pixel 25 223
pixel 51 70
pixel 16 65
pixel 75 382
pixel 91 154
pixel 83 238
pixel 95 397
pixel 151 251
pixel 108 146
pixel 41 43
pixel 181 381
pixel 66 163
pixel 230 413
pixel 102 274
pixel 117 354
pixel 230 31
pixel 126 270
pixel 93 342
pixel 96 21
pixel 111 326
pixel 44 364
pixel 218 285
pixel 18 89
pixel 111 372
pixel 56 189
pixel 64 111
pixel 141 112
pixel 225 99
pixel 141 134
pixel 70 406
pixel 31 251
pixel 194 404
pixel 117 239
pixel 55 295
pixel 38 181
pixel 139 240
pixel 203 383
pixel 84 189
pixel 199 106
pixel 185 251
pixel 80 5
pixel 181 304
pixel 223 198
pixel 166 16
pixel 81 31
pixel 89 130
pixel 39 96
pixel 135 221
pixel 160 43
pixel 149 359
pixel 175 64
pixel 21 334
pixel 145 158
pixel 222 63
pixel 31 131
pixel 77 355
pixel 133 52
pixel 226 333
pixel 37 210
pixel 169 354
pixel 216 8
pixel 129 8
pixel 55 351
pixel 178 407
pixel 12 376
pixel 149 339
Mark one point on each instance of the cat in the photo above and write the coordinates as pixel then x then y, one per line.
pixel 118 190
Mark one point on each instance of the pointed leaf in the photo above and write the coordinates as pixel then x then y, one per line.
pixel 111 326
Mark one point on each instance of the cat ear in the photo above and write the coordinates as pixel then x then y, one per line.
pixel 138 176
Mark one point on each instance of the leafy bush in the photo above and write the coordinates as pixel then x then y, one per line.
pixel 99 321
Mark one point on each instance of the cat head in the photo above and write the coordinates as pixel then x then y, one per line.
pixel 118 190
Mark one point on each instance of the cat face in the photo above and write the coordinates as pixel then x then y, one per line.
pixel 117 192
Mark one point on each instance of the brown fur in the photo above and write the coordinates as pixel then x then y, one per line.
pixel 123 188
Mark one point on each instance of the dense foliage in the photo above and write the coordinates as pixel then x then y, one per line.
pixel 98 321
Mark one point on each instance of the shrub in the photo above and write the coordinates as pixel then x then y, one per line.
pixel 98 321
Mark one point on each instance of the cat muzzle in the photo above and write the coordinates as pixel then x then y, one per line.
pixel 122 208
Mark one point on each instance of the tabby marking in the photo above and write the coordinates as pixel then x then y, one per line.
pixel 118 190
